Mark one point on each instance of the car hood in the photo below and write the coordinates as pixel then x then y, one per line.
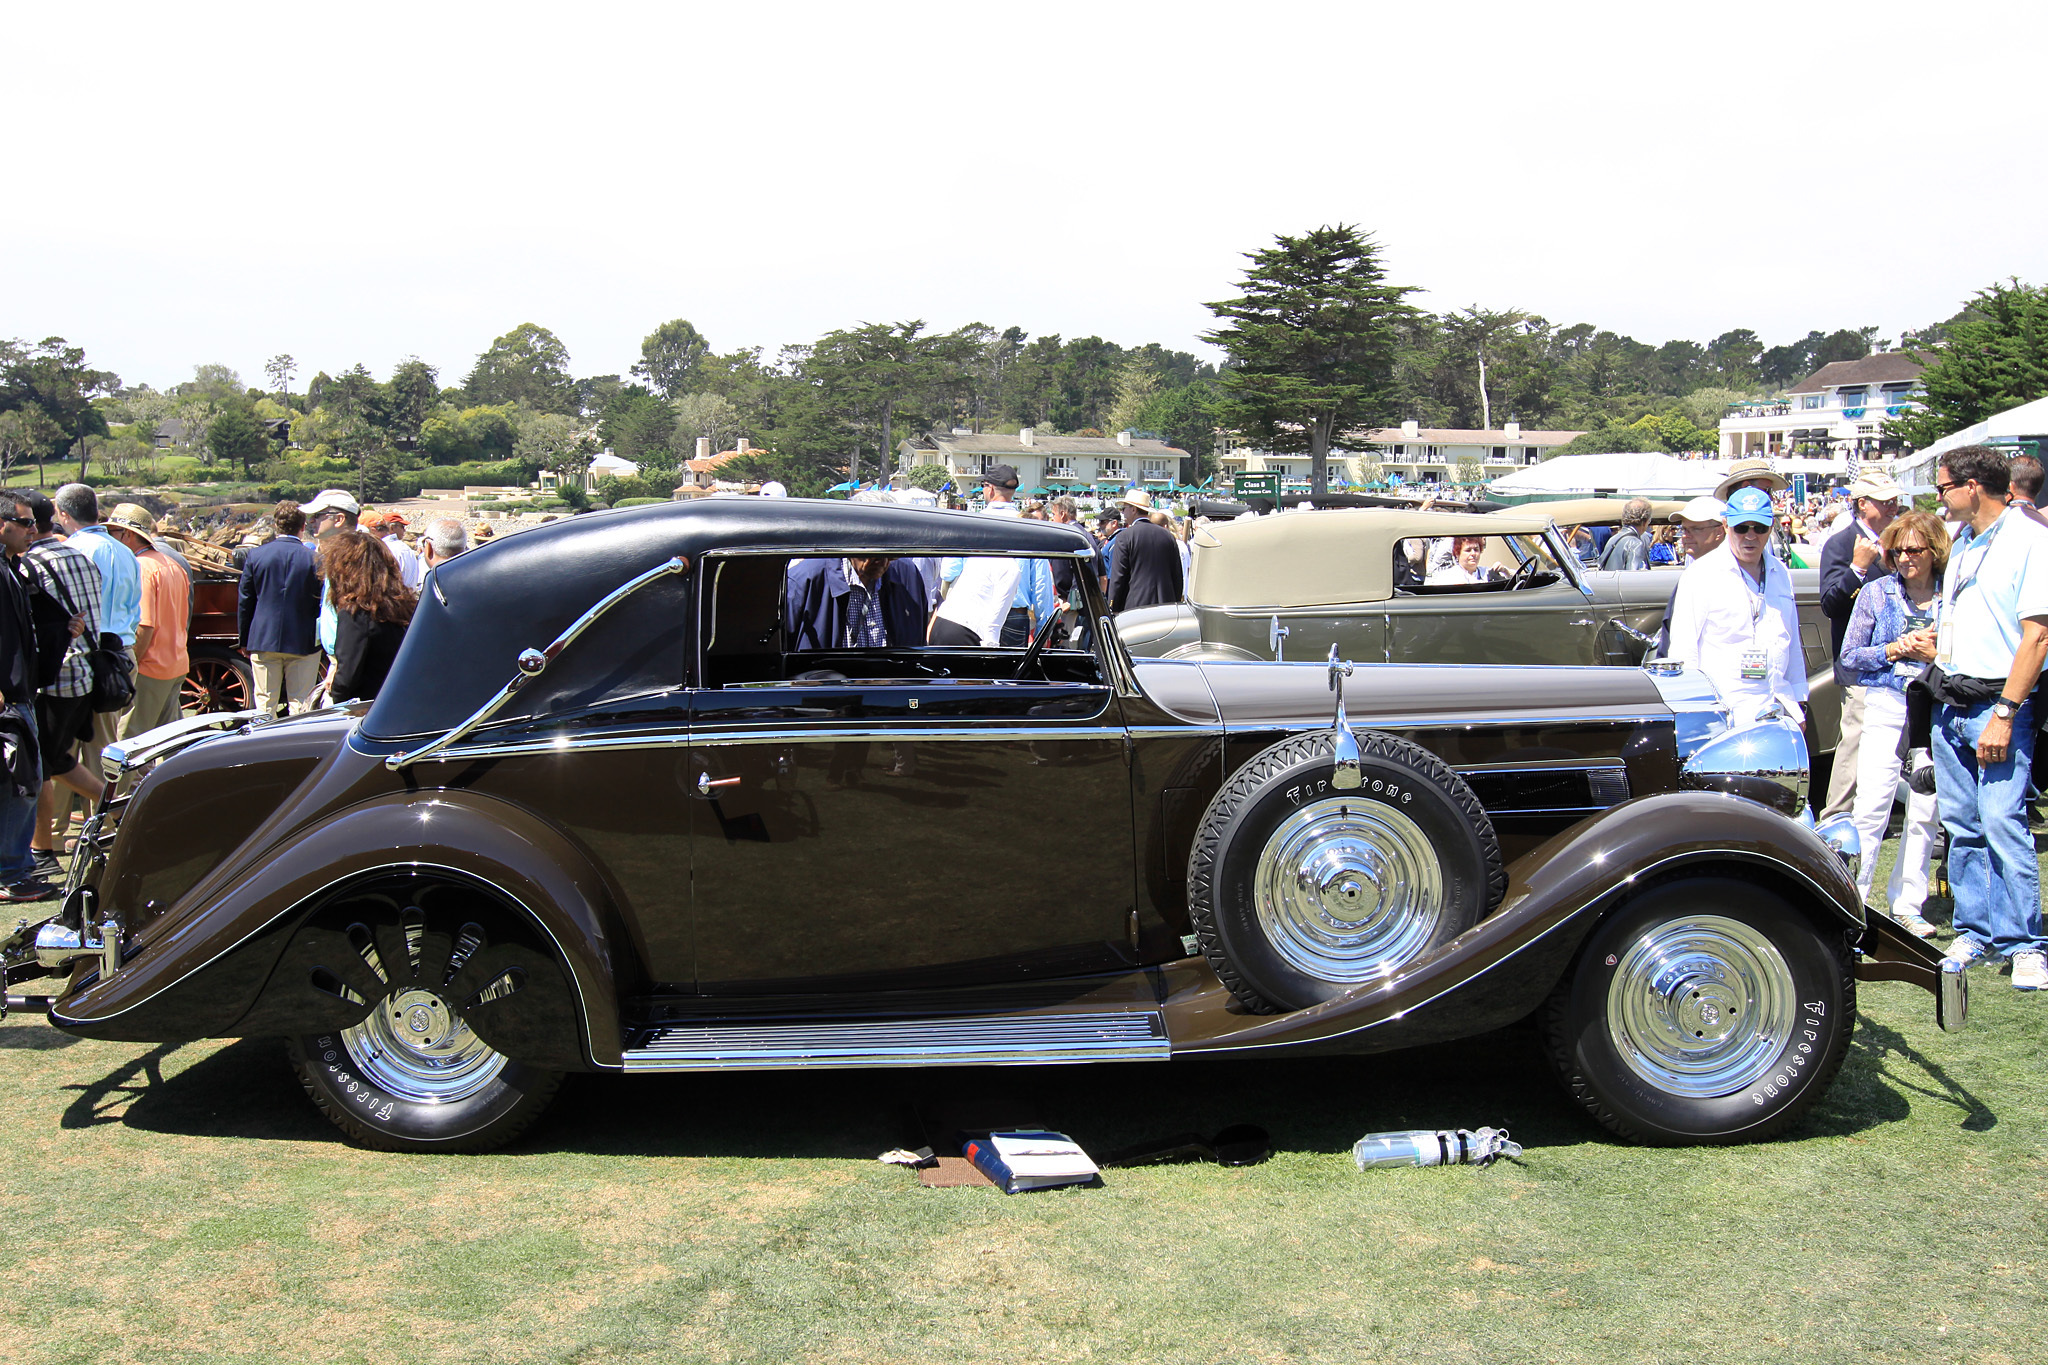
pixel 1382 696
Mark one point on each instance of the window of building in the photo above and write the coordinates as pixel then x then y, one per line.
pixel 1111 468
pixel 1059 468
pixel 1500 454
pixel 1810 401
pixel 1852 395
pixel 1156 469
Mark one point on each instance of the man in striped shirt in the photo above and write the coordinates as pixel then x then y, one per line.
pixel 68 578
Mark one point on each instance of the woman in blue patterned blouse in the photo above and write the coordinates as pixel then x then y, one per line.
pixel 1890 641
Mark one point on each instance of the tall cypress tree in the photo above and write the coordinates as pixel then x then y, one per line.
pixel 1312 342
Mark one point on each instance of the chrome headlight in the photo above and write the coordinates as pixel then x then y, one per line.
pixel 1765 762
pixel 1840 835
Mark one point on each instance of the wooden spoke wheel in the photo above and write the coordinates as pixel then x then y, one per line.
pixel 219 680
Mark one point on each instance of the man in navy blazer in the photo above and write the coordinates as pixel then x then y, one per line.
pixel 863 602
pixel 280 602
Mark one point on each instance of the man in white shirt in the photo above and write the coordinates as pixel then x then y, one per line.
pixel 980 599
pixel 390 527
pixel 1990 647
pixel 1734 618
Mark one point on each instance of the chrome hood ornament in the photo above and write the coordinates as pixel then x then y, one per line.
pixel 1345 753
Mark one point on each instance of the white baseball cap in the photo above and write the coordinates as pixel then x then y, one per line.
pixel 333 500
pixel 1703 509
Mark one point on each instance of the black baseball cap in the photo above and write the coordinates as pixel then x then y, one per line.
pixel 1001 475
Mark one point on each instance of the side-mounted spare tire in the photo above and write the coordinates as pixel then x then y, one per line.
pixel 1300 891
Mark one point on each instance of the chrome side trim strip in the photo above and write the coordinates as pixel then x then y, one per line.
pixel 533 662
pixel 790 735
pixel 837 1044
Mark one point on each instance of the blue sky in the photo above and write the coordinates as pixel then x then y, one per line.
pixel 224 182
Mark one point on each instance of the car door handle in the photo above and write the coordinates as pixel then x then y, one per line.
pixel 707 784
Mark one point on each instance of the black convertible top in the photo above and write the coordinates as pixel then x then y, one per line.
pixel 481 608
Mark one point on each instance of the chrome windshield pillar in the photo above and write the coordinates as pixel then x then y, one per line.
pixel 531 663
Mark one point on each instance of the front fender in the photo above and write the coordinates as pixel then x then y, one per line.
pixel 1502 968
pixel 199 977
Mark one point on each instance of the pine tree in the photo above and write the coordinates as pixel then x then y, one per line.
pixel 1312 344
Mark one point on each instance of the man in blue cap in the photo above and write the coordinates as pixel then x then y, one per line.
pixel 1734 618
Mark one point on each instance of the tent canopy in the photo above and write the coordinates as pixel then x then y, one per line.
pixel 2028 419
pixel 1649 474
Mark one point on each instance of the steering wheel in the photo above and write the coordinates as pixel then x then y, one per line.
pixel 1526 574
pixel 1039 639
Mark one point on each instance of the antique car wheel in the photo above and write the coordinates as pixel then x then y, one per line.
pixel 1707 1009
pixel 412 1077
pixel 219 680
pixel 1300 891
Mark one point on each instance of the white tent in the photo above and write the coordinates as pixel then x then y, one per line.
pixel 1916 471
pixel 1650 474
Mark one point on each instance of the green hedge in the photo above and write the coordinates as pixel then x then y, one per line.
pixel 638 502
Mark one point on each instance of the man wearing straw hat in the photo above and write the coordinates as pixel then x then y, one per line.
pixel 1145 568
pixel 165 618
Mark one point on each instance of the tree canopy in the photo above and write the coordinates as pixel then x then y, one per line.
pixel 1312 340
pixel 529 365
pixel 1995 357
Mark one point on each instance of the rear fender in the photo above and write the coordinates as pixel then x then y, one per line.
pixel 201 978
pixel 1503 967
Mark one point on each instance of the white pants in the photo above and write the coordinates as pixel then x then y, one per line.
pixel 1877 779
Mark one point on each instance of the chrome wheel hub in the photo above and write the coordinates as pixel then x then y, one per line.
pixel 416 1047
pixel 1701 1006
pixel 1348 890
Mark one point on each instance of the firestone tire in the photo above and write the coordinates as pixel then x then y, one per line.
pixel 1300 891
pixel 1705 1010
pixel 380 1101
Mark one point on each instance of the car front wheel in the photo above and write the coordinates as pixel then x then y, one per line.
pixel 1706 1010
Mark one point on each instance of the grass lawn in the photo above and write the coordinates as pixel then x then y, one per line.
pixel 171 1204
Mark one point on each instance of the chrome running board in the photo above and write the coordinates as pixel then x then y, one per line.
pixel 1001 1040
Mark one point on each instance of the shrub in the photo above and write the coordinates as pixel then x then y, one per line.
pixel 638 502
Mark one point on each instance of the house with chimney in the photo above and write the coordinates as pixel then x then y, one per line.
pixel 1837 412
pixel 1057 464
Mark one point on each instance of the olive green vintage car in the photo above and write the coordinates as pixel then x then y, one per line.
pixel 1291 586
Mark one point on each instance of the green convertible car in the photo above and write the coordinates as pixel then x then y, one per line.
pixel 1290 586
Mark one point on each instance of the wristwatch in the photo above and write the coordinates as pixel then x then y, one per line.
pixel 2004 709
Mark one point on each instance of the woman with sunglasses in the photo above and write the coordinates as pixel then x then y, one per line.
pixel 1889 642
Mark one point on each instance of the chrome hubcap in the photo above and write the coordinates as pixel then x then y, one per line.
pixel 415 1047
pixel 1701 1006
pixel 1348 890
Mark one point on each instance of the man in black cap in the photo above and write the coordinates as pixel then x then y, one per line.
pixel 987 604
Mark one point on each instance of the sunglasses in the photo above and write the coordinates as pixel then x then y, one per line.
pixel 1749 529
pixel 19 521
pixel 1912 550
pixel 1949 487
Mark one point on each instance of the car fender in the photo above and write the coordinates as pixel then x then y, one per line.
pixel 200 979
pixel 1502 968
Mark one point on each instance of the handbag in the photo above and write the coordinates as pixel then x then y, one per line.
pixel 113 672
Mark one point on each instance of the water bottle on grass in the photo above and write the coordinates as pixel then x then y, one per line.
pixel 1433 1147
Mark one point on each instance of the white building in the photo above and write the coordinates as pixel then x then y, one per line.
pixel 1408 454
pixel 1836 412
pixel 1075 464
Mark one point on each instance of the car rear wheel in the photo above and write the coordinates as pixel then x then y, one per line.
pixel 413 1077
pixel 218 680
pixel 1706 1010
pixel 1299 890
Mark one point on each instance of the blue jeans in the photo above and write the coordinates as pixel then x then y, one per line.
pixel 18 818
pixel 1992 871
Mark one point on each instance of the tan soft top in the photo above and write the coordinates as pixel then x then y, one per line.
pixel 1314 559
pixel 1594 511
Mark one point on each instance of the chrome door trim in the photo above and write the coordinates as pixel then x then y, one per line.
pixel 786 734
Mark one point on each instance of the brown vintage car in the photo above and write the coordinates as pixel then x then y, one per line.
pixel 604 817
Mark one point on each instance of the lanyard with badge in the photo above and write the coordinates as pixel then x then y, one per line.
pixel 1756 665
pixel 1953 590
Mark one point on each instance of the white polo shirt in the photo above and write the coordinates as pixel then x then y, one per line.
pixel 981 596
pixel 1718 616
pixel 1993 582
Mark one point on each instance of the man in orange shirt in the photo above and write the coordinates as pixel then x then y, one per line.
pixel 160 658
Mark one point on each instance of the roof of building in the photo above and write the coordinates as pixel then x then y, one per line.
pixel 1465 436
pixel 990 443
pixel 1886 367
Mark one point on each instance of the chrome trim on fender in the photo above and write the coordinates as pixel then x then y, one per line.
pixel 1690 855
pixel 562 744
pixel 126 755
pixel 532 663
pixel 1026 1040
pixel 582 1004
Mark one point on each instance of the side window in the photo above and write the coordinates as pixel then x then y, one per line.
pixel 769 620
pixel 640 648
pixel 1474 563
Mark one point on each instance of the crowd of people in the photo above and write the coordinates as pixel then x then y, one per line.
pixel 1940 628
pixel 95 614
